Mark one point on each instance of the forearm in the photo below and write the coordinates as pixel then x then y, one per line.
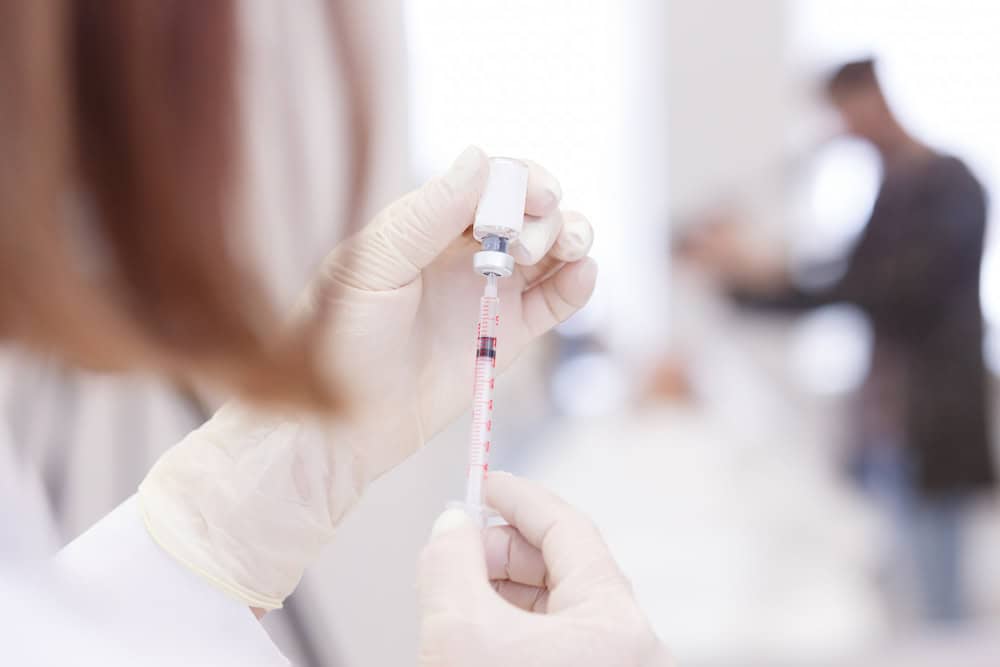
pixel 785 298
pixel 126 585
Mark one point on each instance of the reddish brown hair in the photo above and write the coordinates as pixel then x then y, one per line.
pixel 118 126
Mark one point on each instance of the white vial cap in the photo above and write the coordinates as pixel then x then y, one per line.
pixel 487 262
pixel 501 206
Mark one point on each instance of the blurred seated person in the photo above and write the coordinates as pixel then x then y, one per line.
pixel 668 381
pixel 922 444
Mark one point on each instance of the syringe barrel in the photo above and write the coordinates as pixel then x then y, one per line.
pixel 481 436
pixel 501 206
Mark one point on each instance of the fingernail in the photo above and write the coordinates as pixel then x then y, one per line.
pixel 552 188
pixel 575 239
pixel 449 520
pixel 466 166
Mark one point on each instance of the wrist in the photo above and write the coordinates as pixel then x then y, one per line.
pixel 247 500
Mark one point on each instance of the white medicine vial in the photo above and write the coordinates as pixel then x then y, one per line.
pixel 500 216
pixel 501 206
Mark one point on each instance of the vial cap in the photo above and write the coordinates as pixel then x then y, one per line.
pixel 501 206
pixel 487 262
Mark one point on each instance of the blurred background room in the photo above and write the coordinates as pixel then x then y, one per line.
pixel 762 473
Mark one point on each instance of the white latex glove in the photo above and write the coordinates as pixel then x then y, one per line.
pixel 542 592
pixel 404 302
pixel 247 500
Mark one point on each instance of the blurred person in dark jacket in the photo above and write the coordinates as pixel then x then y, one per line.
pixel 923 443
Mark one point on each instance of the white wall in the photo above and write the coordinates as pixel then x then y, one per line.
pixel 728 101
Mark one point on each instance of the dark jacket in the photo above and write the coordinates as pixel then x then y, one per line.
pixel 915 272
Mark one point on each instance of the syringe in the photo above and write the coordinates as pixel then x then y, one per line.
pixel 482 393
pixel 499 218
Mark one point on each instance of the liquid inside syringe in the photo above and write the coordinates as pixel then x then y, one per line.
pixel 482 393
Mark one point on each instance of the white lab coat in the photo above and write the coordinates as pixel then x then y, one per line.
pixel 112 596
pixel 73 445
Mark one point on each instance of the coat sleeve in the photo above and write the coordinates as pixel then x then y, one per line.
pixel 145 602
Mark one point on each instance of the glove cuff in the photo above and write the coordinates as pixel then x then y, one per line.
pixel 247 501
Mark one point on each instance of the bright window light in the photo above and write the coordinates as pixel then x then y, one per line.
pixel 539 80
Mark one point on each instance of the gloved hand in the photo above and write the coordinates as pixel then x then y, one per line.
pixel 248 499
pixel 542 592
pixel 404 301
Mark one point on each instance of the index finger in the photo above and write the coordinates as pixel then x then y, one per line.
pixel 571 545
